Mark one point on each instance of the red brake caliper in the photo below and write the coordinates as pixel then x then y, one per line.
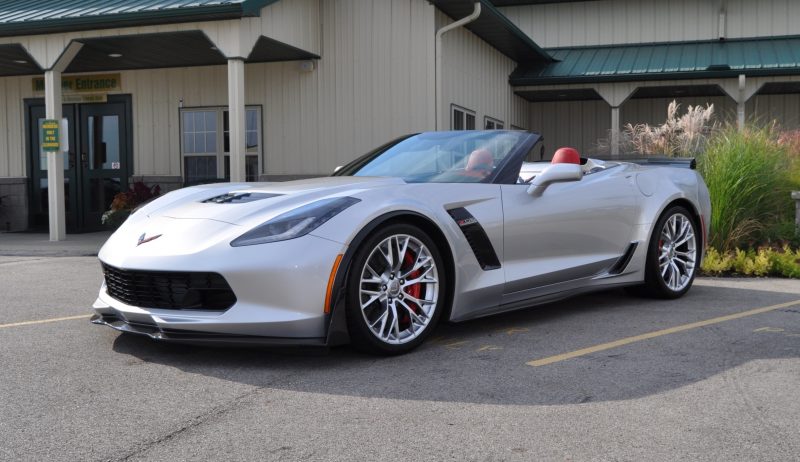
pixel 414 290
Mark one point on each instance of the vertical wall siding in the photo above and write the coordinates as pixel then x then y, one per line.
pixel 783 109
pixel 578 124
pixel 373 83
pixel 640 21
pixel 13 90
pixel 582 124
pixel 475 76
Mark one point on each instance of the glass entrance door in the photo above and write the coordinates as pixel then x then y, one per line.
pixel 96 168
pixel 39 208
pixel 104 168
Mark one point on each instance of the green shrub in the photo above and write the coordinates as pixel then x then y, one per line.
pixel 716 263
pixel 783 262
pixel 749 177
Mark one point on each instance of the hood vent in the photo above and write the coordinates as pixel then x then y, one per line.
pixel 239 198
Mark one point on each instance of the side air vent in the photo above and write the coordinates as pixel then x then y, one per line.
pixel 623 261
pixel 477 238
pixel 238 198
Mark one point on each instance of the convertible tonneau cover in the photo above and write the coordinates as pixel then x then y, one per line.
pixel 684 162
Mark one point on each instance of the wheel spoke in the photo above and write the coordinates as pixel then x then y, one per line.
pixel 420 279
pixel 372 271
pixel 401 253
pixel 686 239
pixel 388 255
pixel 419 264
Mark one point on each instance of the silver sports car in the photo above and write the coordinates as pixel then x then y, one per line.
pixel 432 226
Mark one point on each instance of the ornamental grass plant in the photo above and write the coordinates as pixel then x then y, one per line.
pixel 750 175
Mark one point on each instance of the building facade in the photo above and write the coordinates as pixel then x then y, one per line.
pixel 185 92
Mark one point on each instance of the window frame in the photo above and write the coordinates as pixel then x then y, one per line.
pixel 220 153
pixel 497 123
pixel 464 113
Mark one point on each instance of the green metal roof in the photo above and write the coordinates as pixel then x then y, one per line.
pixel 25 17
pixel 664 61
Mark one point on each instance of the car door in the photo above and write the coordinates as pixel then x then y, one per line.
pixel 573 231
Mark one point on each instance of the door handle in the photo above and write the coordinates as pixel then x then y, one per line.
pixel 72 160
pixel 84 160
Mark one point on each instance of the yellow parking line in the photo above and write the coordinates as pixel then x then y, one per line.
pixel 658 333
pixel 43 321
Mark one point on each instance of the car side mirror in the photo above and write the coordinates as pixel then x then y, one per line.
pixel 556 173
pixel 338 168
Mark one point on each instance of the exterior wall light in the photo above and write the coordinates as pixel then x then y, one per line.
pixel 307 66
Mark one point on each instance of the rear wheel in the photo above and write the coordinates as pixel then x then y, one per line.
pixel 673 255
pixel 396 290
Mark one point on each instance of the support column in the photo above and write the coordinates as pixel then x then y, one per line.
pixel 236 119
pixel 615 94
pixel 54 62
pixel 741 102
pixel 55 160
pixel 615 130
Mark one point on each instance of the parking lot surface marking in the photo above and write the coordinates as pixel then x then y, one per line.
pixel 44 321
pixel 658 333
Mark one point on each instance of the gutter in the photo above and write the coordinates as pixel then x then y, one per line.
pixel 476 12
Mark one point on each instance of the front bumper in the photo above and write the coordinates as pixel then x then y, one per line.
pixel 199 338
pixel 279 287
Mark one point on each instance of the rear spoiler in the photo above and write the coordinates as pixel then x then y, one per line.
pixel 679 162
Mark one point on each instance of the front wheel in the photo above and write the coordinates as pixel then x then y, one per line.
pixel 673 255
pixel 395 290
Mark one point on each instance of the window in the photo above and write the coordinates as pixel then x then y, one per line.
pixel 462 119
pixel 205 144
pixel 492 124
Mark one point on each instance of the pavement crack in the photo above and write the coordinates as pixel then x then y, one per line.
pixel 215 412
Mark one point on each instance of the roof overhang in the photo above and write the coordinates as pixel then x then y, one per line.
pixel 772 56
pixel 15 60
pixel 147 51
pixel 170 49
pixel 496 30
pixel 32 17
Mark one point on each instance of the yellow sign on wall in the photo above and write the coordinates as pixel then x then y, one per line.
pixel 97 83
pixel 49 136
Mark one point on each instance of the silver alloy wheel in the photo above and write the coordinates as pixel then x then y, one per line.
pixel 677 252
pixel 399 289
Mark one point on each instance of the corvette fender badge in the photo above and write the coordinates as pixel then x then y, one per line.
pixel 144 240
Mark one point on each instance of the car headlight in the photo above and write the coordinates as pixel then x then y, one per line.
pixel 295 223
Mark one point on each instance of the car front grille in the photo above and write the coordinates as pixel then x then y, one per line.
pixel 169 290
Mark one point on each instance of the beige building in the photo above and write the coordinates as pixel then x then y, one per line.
pixel 185 92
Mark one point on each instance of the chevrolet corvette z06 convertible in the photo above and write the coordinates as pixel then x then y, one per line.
pixel 430 227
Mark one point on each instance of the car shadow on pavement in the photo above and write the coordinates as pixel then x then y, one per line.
pixel 484 361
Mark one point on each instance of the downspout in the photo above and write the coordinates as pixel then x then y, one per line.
pixel 438 47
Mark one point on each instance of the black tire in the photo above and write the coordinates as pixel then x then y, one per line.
pixel 655 285
pixel 362 335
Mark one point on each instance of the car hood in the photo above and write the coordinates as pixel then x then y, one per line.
pixel 252 203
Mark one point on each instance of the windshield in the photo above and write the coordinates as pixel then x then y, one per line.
pixel 440 157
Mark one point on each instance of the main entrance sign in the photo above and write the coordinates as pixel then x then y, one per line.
pixel 98 83
pixel 84 88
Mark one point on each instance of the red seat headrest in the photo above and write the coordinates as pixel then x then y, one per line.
pixel 566 156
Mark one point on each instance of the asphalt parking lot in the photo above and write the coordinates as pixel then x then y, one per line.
pixel 713 376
